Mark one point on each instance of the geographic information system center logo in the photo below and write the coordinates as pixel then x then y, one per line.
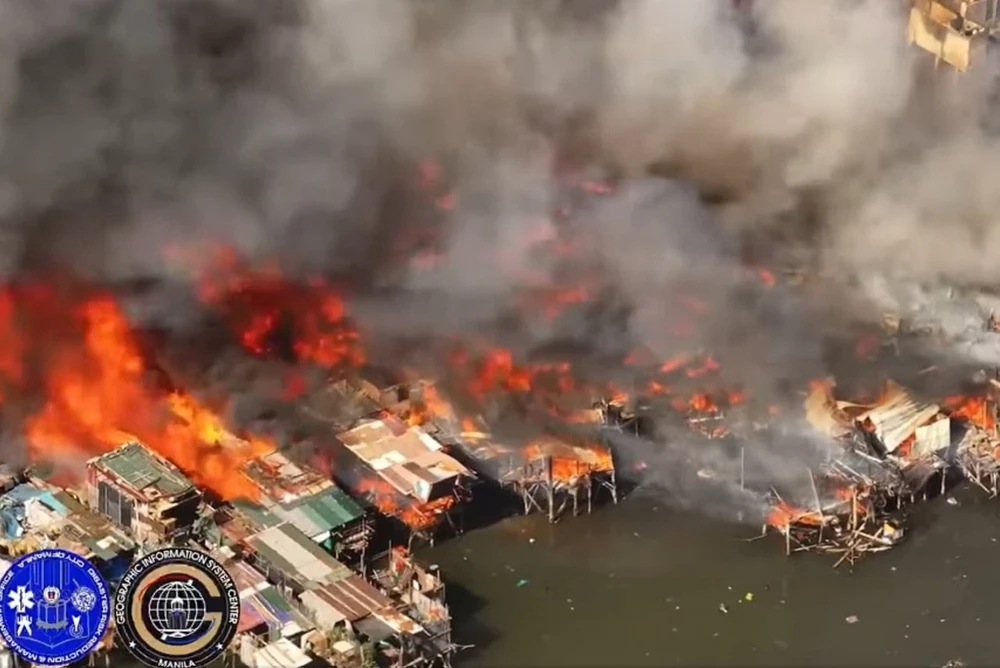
pixel 177 608
pixel 56 607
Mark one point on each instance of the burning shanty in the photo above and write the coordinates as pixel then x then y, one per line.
pixel 548 473
pixel 891 449
pixel 407 474
pixel 849 523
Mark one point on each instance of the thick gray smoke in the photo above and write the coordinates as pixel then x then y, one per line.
pixel 291 129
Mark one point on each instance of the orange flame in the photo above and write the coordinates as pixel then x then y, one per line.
pixel 569 469
pixel 97 398
pixel 976 410
pixel 783 515
pixel 416 515
pixel 256 300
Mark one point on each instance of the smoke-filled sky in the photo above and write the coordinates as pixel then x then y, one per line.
pixel 290 129
pixel 276 125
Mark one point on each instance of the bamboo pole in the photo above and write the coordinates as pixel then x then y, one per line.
pixel 854 507
pixel 743 453
pixel 819 505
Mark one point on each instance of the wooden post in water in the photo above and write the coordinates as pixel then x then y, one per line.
pixel 549 491
pixel 743 453
pixel 819 505
pixel 854 507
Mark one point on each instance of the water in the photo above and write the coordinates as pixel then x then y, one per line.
pixel 638 584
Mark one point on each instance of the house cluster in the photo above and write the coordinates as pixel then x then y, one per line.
pixel 297 551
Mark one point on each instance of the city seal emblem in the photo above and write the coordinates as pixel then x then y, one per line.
pixel 56 607
pixel 176 608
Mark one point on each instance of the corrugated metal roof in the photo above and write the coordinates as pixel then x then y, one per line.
pixel 898 415
pixel 324 512
pixel 351 599
pixel 281 653
pixel 140 469
pixel 256 513
pixel 932 438
pixel 297 555
pixel 396 451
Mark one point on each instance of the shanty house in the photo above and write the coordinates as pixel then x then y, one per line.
pixel 144 493
pixel 291 559
pixel 73 526
pixel 408 458
pixel 264 611
pixel 330 593
pixel 309 501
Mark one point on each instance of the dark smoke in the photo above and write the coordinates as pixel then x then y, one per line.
pixel 792 133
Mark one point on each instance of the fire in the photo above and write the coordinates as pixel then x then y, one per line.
pixel 258 301
pixel 976 410
pixel 97 397
pixel 783 515
pixel 431 405
pixel 416 515
pixel 576 463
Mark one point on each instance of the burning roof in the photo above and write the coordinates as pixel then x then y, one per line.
pixel 301 495
pixel 408 458
pixel 897 416
pixel 570 462
pixel 142 473
pixel 897 424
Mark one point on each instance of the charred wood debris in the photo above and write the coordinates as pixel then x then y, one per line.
pixel 888 454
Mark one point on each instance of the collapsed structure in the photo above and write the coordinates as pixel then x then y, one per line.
pixel 891 450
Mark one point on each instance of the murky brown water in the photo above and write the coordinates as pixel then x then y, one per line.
pixel 638 584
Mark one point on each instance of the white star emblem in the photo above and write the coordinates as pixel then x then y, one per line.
pixel 132 645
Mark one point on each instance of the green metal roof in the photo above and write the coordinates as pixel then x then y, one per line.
pixel 331 508
pixel 140 468
pixel 256 513
pixel 274 597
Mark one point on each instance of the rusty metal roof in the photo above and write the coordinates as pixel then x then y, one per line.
pixel 352 598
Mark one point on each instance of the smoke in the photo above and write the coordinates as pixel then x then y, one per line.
pixel 292 130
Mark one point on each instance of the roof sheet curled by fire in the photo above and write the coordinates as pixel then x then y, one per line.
pixel 145 473
pixel 898 415
pixel 408 458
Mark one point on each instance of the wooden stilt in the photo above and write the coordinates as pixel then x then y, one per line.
pixel 819 506
pixel 743 468
pixel 550 492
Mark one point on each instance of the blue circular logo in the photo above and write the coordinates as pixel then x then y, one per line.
pixel 55 607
